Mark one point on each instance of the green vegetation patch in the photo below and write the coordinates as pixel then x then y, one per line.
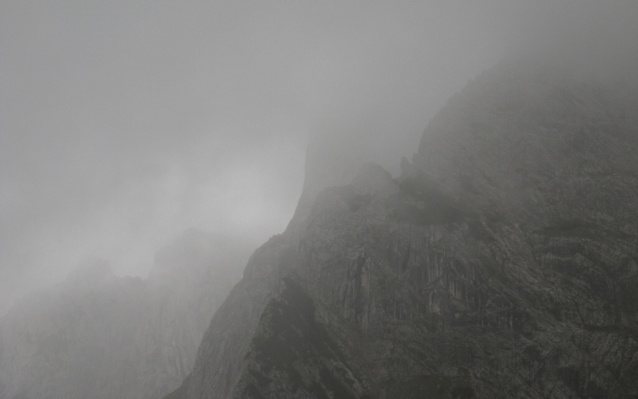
pixel 432 387
pixel 569 228
pixel 351 198
pixel 617 329
pixel 421 201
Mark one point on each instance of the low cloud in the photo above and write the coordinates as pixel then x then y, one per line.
pixel 121 125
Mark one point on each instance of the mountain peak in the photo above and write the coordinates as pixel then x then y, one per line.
pixel 501 263
pixel 373 179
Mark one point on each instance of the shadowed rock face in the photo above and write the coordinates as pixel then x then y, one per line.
pixel 101 336
pixel 502 263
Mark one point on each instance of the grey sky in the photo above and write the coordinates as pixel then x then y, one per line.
pixel 123 123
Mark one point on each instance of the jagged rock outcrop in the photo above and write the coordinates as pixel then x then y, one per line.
pixel 502 263
pixel 97 335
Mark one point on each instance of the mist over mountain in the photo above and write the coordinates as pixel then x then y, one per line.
pixel 491 255
pixel 125 123
pixel 500 263
pixel 101 336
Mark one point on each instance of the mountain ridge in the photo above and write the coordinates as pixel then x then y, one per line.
pixel 124 336
pixel 500 264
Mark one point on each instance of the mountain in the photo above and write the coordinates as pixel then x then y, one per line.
pixel 97 335
pixel 501 263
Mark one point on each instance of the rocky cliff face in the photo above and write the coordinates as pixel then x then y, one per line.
pixel 101 336
pixel 502 263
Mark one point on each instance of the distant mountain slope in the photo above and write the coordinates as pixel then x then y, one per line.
pixel 101 336
pixel 502 263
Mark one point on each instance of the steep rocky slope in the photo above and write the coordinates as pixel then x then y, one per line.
pixel 97 335
pixel 502 263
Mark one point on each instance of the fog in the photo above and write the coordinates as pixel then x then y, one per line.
pixel 122 124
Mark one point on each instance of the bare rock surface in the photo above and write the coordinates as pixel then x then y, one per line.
pixel 503 263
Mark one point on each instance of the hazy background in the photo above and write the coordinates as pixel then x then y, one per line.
pixel 124 123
